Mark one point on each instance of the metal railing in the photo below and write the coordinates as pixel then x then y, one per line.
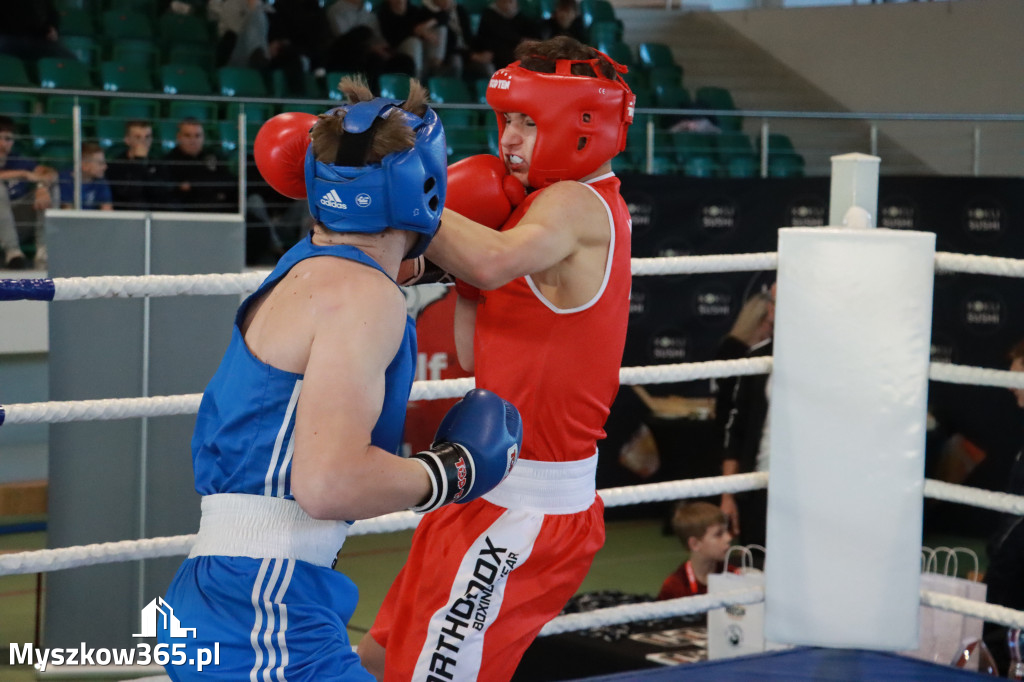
pixel 908 143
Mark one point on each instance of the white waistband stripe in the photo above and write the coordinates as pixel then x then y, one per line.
pixel 548 487
pixel 266 528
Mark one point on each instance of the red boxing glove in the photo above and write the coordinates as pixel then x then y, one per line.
pixel 280 152
pixel 466 291
pixel 480 188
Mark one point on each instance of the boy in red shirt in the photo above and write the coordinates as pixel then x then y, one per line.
pixel 704 530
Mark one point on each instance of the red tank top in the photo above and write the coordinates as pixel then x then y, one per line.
pixel 560 367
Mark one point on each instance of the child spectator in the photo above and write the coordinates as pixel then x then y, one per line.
pixel 95 190
pixel 704 530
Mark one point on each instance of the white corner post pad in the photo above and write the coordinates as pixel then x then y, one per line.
pixel 847 417
pixel 853 201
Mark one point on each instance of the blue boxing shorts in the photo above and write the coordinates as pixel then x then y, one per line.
pixel 266 619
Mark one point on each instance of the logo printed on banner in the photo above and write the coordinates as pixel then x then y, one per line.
pixel 713 303
pixel 637 302
pixel 897 213
pixel 333 200
pixel 984 312
pixel 808 211
pixel 984 219
pixel 668 346
pixel 718 216
pixel 641 212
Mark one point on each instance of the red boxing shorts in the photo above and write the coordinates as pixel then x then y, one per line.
pixel 480 583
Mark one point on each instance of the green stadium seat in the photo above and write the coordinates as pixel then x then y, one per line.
pixel 673 97
pixel 125 77
pixel 204 111
pixel 13 72
pixel 783 159
pixel 710 97
pixel 178 29
pixel 118 24
pixel 76 22
pixel 145 7
pixel 165 132
pixel 619 51
pixel 84 47
pixel 140 109
pixel 185 79
pixel 227 132
pixel 604 32
pixel 15 105
pixel 695 153
pixel 57 72
pixel 61 105
pixel 57 154
pixel 655 54
pixel 594 11
pixel 110 131
pixel 236 81
pixel 47 128
pixel 138 51
pixel 664 76
pixel 394 85
pixel 459 118
pixel 463 142
pixel 332 79
pixel 193 54
pixel 449 90
pixel 736 155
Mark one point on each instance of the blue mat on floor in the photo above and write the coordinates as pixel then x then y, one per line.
pixel 803 665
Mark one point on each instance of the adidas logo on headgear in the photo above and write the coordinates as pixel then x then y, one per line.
pixel 333 200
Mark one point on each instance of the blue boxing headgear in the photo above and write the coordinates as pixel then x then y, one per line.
pixel 405 190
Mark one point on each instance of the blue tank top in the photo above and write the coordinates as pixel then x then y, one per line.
pixel 243 440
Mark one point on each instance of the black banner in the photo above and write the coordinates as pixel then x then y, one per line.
pixel 682 318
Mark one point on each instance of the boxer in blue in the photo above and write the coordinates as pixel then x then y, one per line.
pixel 298 431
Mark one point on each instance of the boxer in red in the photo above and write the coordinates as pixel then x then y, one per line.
pixel 541 320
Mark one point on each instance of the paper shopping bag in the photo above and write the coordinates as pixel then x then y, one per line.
pixel 945 634
pixel 736 630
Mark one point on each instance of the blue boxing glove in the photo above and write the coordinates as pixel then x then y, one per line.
pixel 474 449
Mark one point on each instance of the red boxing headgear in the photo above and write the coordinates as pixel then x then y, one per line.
pixel 581 120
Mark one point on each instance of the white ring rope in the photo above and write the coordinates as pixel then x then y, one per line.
pixel 80 288
pixel 46 560
pixel 669 608
pixel 979 265
pixel 54 412
pixel 163 406
pixel 77 288
pixel 992 613
pixel 975 497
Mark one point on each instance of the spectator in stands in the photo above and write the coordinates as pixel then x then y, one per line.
pixel 25 186
pixel 745 439
pixel 453 24
pixel 413 31
pixel 201 182
pixel 138 182
pixel 245 39
pixel 566 20
pixel 358 46
pixel 303 23
pixel 29 31
pixel 1005 573
pixel 703 529
pixel 502 27
pixel 95 190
